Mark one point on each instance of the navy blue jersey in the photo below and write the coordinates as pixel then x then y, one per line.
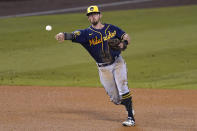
pixel 95 41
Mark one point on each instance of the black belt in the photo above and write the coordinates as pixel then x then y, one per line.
pixel 107 64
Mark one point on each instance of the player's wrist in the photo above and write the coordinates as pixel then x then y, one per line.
pixel 124 46
pixel 68 36
pixel 125 42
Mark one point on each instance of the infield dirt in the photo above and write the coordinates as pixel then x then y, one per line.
pixel 89 109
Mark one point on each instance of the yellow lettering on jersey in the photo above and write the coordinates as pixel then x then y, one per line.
pixel 95 41
pixel 110 35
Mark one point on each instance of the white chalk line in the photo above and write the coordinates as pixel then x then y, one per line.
pixel 74 9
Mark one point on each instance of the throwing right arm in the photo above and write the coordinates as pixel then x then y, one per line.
pixel 64 36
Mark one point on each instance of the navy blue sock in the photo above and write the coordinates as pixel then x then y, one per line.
pixel 127 102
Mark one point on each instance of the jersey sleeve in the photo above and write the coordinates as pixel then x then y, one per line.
pixel 80 36
pixel 119 32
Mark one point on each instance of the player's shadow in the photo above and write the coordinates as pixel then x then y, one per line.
pixel 89 114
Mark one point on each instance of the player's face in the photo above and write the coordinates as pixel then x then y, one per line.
pixel 94 18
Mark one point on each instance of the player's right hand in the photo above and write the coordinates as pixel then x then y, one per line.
pixel 60 37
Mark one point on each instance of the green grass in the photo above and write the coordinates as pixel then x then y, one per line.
pixel 163 52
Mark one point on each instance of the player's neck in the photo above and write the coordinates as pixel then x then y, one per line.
pixel 98 26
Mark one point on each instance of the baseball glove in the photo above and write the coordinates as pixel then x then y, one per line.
pixel 114 44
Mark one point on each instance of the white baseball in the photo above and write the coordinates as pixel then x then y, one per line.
pixel 48 27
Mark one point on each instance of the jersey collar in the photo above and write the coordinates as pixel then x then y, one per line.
pixel 105 25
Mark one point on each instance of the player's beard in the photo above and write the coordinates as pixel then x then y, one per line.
pixel 95 23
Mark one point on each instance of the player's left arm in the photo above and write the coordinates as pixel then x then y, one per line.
pixel 125 41
pixel 123 36
pixel 126 37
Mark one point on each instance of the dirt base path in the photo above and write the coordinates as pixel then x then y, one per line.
pixel 89 109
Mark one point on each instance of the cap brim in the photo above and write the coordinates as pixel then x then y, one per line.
pixel 92 13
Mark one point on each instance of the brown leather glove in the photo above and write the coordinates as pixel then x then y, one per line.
pixel 114 44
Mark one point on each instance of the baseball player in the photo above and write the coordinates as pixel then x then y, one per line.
pixel 104 42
